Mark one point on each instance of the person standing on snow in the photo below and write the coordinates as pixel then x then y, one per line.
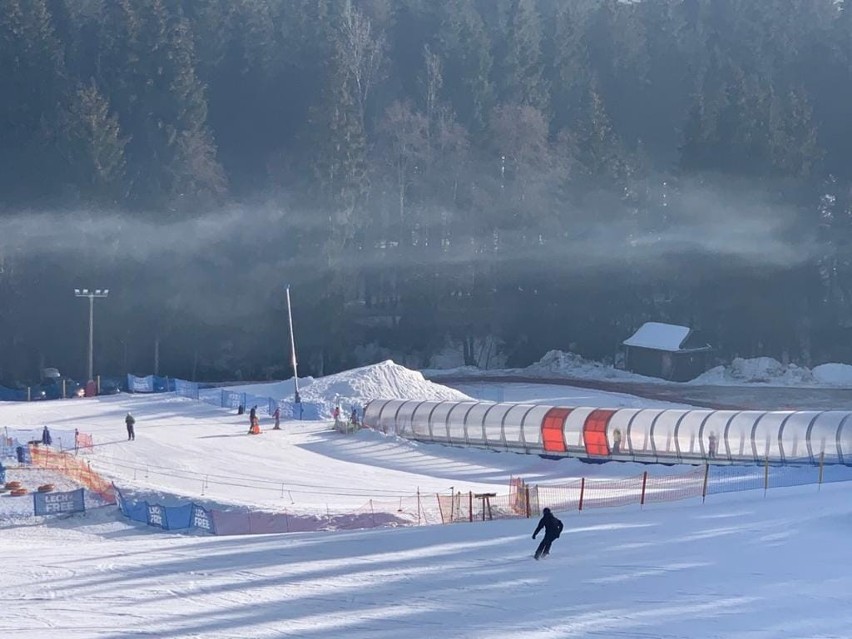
pixel 552 529
pixel 46 439
pixel 129 421
pixel 277 416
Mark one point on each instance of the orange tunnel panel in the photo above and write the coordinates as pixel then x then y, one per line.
pixel 594 432
pixel 552 433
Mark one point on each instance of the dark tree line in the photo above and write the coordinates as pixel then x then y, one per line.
pixel 544 172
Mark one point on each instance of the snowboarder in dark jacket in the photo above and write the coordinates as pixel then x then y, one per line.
pixel 552 529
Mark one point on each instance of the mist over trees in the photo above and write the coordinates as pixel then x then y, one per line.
pixel 547 173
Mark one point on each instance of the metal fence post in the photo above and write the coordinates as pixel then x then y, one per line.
pixel 821 470
pixel 706 476
pixel 766 476
pixel 644 483
pixel 582 492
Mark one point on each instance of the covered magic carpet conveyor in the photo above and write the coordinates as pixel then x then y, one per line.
pixel 628 434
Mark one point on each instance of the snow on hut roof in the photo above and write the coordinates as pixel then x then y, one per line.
pixel 658 336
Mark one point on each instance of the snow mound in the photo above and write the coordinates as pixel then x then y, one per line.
pixel 757 370
pixel 356 387
pixel 833 374
pixel 573 365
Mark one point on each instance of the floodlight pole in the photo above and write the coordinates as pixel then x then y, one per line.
pixel 297 399
pixel 91 294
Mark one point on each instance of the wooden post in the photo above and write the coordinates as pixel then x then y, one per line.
pixel 470 505
pixel 527 494
pixel 821 469
pixel 582 491
pixel 706 476
pixel 644 483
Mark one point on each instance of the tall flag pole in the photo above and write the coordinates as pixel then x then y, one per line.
pixel 293 348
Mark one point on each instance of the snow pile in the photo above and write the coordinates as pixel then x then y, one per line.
pixel 573 365
pixel 757 370
pixel 356 387
pixel 833 374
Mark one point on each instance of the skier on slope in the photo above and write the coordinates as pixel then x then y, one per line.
pixel 552 529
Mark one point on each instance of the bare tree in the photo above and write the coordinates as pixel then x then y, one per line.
pixel 433 82
pixel 406 136
pixel 361 56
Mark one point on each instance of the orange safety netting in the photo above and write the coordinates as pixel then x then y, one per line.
pixel 74 469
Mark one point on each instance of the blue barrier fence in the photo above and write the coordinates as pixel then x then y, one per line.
pixel 183 517
pixel 225 398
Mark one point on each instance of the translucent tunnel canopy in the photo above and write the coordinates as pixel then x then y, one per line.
pixel 736 437
pixel 639 432
pixel 713 429
pixel 765 434
pixel 642 433
pixel 532 427
pixel 438 421
pixel 386 420
pixel 825 436
pixel 794 433
pixel 474 423
pixel 663 431
pixel 456 419
pixel 618 425
pixel 513 422
pixel 420 420
pixel 492 424
pixel 688 440
pixel 575 422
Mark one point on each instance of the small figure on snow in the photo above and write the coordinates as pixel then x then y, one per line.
pixel 254 422
pixel 277 416
pixel 552 529
pixel 130 422
pixel 46 439
pixel 711 446
pixel 241 410
pixel 616 442
pixel 353 418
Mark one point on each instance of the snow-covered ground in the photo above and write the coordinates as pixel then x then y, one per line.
pixel 746 566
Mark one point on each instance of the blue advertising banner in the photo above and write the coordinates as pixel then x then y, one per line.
pixel 56 503
pixel 140 384
pixel 156 515
pixel 201 518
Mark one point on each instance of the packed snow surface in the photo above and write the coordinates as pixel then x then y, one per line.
pixel 744 566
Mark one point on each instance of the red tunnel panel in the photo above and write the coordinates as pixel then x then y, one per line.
pixel 594 432
pixel 552 435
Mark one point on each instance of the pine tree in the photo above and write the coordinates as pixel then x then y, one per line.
pixel 93 145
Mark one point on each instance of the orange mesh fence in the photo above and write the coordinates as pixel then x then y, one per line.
pixel 84 442
pixel 675 487
pixel 559 496
pixel 74 469
pixel 609 493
